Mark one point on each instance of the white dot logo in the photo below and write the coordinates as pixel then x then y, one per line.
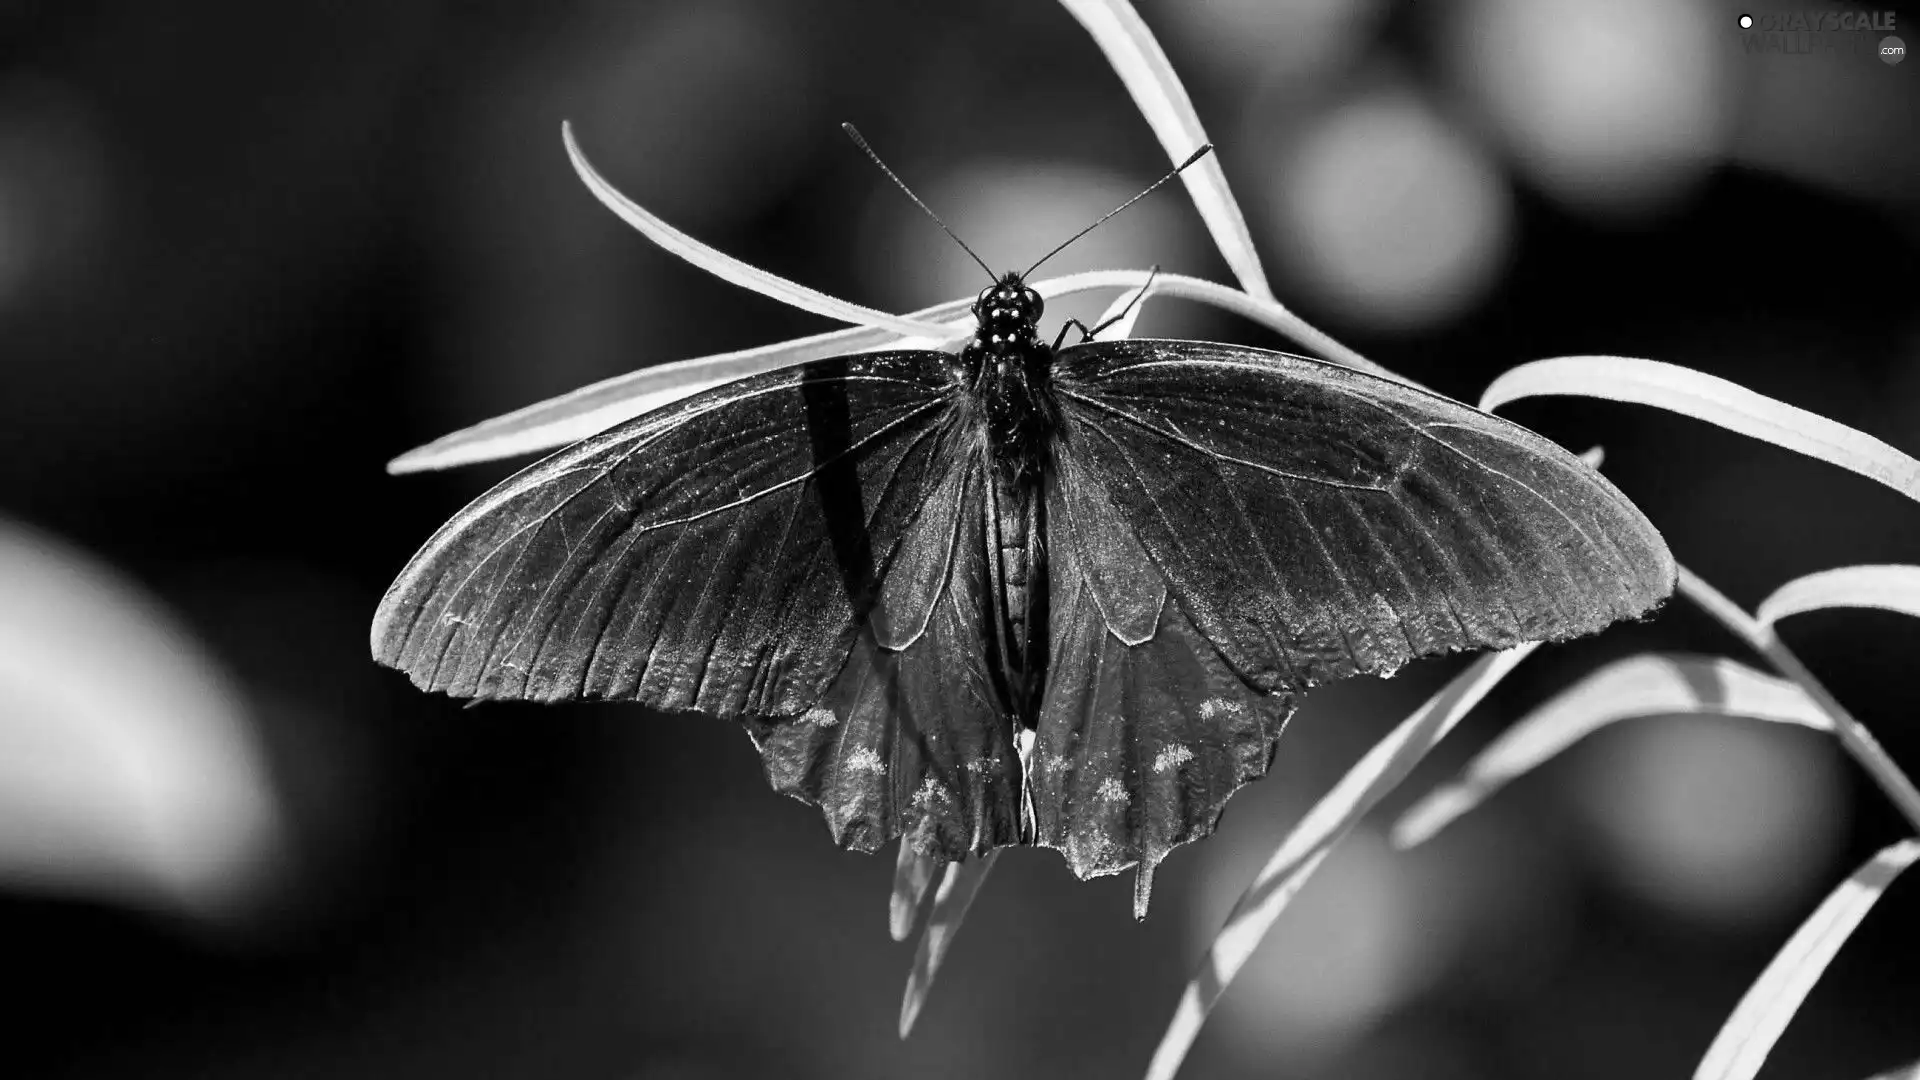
pixel 1746 22
pixel 1892 49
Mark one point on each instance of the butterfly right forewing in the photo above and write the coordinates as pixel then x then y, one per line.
pixel 1316 522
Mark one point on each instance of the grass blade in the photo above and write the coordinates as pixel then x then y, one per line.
pixel 1893 587
pixel 1652 684
pixel 728 268
pixel 1853 736
pixel 1715 400
pixel 592 409
pixel 1141 64
pixel 1300 854
pixel 912 873
pixel 1266 311
pixel 957 889
pixel 1749 1034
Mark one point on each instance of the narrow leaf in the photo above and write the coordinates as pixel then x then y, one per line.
pixel 957 889
pixel 912 873
pixel 1749 1034
pixel 1119 31
pixel 728 268
pixel 1652 684
pixel 1300 854
pixel 1889 588
pixel 1853 735
pixel 1715 400
pixel 598 406
pixel 591 409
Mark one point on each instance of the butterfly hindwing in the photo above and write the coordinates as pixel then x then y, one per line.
pixel 910 740
pixel 719 554
pixel 1145 731
pixel 1314 522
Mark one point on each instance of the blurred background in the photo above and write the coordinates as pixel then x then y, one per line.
pixel 248 253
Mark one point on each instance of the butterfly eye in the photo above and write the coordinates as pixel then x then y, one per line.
pixel 1032 302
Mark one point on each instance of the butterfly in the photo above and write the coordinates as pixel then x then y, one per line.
pixel 1025 593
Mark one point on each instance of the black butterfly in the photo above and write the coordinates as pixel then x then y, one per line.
pixel 1025 594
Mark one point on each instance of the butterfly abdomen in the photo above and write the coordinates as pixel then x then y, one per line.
pixel 1017 613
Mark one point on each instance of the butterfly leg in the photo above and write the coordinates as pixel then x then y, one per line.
pixel 1086 335
pixel 1131 304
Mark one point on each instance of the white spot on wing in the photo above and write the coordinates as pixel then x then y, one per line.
pixel 931 794
pixel 865 760
pixel 1215 708
pixel 1112 790
pixel 819 716
pixel 1172 757
pixel 1097 850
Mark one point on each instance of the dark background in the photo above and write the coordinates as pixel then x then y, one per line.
pixel 250 252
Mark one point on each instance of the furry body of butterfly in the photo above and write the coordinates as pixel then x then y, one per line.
pixel 1021 595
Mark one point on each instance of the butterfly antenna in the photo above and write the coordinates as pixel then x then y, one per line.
pixel 1177 170
pixel 860 141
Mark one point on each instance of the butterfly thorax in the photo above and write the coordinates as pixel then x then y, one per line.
pixel 1008 371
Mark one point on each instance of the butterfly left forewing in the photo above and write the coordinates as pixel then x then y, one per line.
pixel 720 554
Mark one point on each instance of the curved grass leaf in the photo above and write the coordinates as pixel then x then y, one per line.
pixel 1749 1034
pixel 1652 684
pixel 1894 587
pixel 1300 854
pixel 1143 67
pixel 728 268
pixel 958 887
pixel 1715 400
pixel 591 409
pixel 1853 736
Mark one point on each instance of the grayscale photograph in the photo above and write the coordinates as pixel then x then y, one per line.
pixel 1201 539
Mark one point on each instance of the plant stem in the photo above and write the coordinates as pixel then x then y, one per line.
pixel 1853 735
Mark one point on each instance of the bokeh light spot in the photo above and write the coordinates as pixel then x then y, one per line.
pixel 1391 214
pixel 128 770
pixel 1346 951
pixel 1272 40
pixel 1616 107
pixel 1713 819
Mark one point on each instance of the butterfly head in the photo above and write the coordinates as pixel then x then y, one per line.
pixel 1008 310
